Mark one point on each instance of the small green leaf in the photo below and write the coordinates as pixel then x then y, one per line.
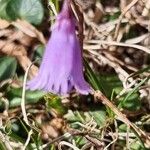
pixel 2 146
pixel 3 5
pixel 14 102
pixel 123 128
pixel 39 51
pixel 30 10
pixel 136 145
pixel 99 116
pixel 111 84
pixel 8 67
pixel 133 102
pixel 112 17
pixel 72 116
pixel 54 102
pixel 14 95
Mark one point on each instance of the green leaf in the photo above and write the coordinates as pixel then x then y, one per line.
pixel 136 145
pixel 111 84
pixel 73 116
pixel 30 10
pixel 39 51
pixel 14 95
pixel 113 16
pixel 54 102
pixel 8 67
pixel 133 102
pixel 3 5
pixel 99 116
pixel 39 54
pixel 123 128
pixel 2 146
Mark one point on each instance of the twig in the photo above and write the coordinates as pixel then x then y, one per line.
pixel 85 126
pixel 98 143
pixel 66 135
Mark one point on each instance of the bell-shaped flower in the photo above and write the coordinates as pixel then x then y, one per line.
pixel 61 69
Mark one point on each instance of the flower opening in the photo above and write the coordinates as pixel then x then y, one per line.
pixel 61 68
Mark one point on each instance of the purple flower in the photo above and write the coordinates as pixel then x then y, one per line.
pixel 61 69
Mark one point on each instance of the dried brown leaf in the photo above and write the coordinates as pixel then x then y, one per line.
pixel 4 24
pixel 30 30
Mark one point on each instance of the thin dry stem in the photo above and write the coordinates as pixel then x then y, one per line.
pixel 25 118
pixel 126 9
pixel 67 144
pixel 28 140
pixel 100 42
pixel 79 13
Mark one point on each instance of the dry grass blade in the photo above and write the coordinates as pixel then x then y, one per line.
pixel 28 140
pixel 137 39
pixel 126 9
pixel 5 139
pixel 25 118
pixel 67 144
pixel 100 42
pixel 79 14
pixel 146 9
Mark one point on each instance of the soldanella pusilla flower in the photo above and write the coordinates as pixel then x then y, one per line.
pixel 61 69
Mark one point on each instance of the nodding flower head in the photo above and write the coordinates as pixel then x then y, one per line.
pixel 61 69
